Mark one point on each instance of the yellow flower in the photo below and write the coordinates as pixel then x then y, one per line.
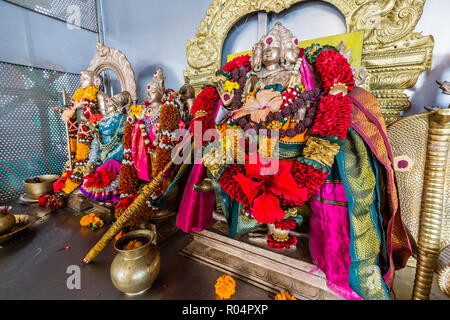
pixel 83 150
pixel 283 295
pixel 225 287
pixel 92 221
pixel 70 185
pixel 229 86
pixel 275 125
pixel 136 111
pixel 90 93
pixel 78 95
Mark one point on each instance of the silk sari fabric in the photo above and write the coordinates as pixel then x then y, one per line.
pixel 360 177
pixel 367 120
pixel 330 235
pixel 109 127
pixel 370 241
pixel 141 158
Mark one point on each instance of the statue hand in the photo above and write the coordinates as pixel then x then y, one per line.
pixel 226 97
pixel 67 114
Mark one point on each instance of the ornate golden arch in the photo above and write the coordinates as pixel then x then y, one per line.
pixel 393 54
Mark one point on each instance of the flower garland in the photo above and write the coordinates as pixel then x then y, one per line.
pixel 128 181
pixel 169 121
pixel 327 116
pixel 72 180
pixel 202 109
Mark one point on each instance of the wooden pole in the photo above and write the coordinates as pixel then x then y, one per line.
pixel 69 151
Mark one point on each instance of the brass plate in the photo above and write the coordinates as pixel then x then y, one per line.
pixel 23 222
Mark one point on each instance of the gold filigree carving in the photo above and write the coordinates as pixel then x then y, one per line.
pixel 393 54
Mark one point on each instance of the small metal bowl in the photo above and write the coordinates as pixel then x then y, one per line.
pixel 23 221
pixel 36 189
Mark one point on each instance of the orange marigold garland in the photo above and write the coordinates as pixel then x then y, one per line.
pixel 80 143
pixel 169 119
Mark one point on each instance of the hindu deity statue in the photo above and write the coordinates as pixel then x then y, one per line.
pixel 80 115
pixel 148 142
pixel 187 97
pixel 106 154
pixel 293 134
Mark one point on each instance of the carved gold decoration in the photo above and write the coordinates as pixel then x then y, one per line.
pixel 214 160
pixel 321 150
pixel 393 54
pixel 114 60
pixel 290 212
pixel 424 139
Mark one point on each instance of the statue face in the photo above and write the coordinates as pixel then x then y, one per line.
pixel 271 51
pixel 153 94
pixel 90 78
pixel 292 51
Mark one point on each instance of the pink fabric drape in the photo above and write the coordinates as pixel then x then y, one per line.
pixel 195 212
pixel 141 158
pixel 329 238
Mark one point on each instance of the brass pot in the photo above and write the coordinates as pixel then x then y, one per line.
pixel 35 190
pixel 134 271
pixel 7 220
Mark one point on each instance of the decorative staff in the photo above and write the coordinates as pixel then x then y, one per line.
pixel 69 151
pixel 121 221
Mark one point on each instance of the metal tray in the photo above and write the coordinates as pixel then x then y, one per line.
pixel 23 221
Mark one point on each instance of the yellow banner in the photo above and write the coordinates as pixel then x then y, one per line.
pixel 353 41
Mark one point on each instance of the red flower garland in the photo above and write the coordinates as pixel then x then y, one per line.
pixel 205 102
pixel 286 224
pixel 272 243
pixel 334 68
pixel 333 116
pixel 230 186
pixel 236 63
pixel 308 177
pixel 100 179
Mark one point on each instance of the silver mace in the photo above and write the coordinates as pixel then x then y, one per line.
pixel 69 152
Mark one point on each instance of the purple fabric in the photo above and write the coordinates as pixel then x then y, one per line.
pixel 112 197
pixel 112 166
pixel 330 238
pixel 195 213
